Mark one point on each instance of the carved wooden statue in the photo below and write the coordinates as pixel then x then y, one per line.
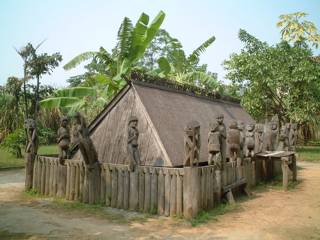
pixel 222 139
pixel 214 146
pixel 82 137
pixel 274 136
pixel 63 139
pixel 233 142
pixel 249 141
pixel 133 136
pixel 31 151
pixel 283 139
pixel 241 128
pixel 192 144
pixel 293 134
pixel 259 138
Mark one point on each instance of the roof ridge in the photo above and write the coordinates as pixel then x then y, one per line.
pixel 167 84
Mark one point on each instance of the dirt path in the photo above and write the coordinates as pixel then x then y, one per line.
pixel 272 214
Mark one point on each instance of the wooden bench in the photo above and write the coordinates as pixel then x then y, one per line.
pixel 227 190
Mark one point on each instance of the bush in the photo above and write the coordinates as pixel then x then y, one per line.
pixel 46 136
pixel 13 142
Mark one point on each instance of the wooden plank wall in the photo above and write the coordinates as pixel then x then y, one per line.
pixel 154 190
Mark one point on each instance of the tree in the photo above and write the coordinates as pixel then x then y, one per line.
pixel 109 71
pixel 280 79
pixel 165 57
pixel 296 30
pixel 42 64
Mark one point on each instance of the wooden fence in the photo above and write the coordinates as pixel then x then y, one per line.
pixel 156 190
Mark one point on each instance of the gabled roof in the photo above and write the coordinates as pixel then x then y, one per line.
pixel 171 110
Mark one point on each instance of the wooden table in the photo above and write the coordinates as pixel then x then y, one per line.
pixel 288 162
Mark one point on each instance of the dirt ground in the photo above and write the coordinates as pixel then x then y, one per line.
pixel 270 214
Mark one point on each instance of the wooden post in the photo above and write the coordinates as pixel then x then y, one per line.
pixel 173 194
pixel 55 178
pixel 120 188
pixel 126 189
pixel 179 193
pixel 82 174
pixel 154 191
pixel 191 187
pixel 94 179
pixel 114 187
pixel 85 192
pixel 72 181
pixel 218 181
pixel 29 170
pixel 209 188
pixel 51 180
pixel 167 188
pixel 47 181
pixel 285 173
pixel 38 176
pixel 62 182
pixel 68 180
pixel 203 188
pixel 161 192
pixel 141 189
pixel 108 185
pixel 35 170
pixel 103 185
pixel 134 190
pixel 77 181
pixel 147 190
pixel 294 168
pixel 43 176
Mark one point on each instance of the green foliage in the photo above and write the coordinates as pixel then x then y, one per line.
pixel 280 79
pixel 8 160
pixel 13 142
pixel 309 153
pixel 47 136
pixel 79 59
pixel 296 30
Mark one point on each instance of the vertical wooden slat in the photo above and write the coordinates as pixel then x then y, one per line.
pixel 141 189
pixel 72 181
pixel 154 191
pixel 147 189
pixel 43 176
pixel 55 178
pixel 81 187
pixel 47 177
pixel 77 182
pixel 85 191
pixel 103 186
pixel 51 188
pixel 179 193
pixel 126 189
pixel 39 175
pixel 68 180
pixel 161 192
pixel 62 181
pixel 120 188
pixel 114 184
pixel 108 185
pixel 173 194
pixel 35 169
pixel 167 187
pixel 134 191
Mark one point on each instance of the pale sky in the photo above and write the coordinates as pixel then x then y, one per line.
pixel 75 26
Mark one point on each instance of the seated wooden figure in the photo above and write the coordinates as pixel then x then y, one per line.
pixel 249 141
pixel 233 139
pixel 293 136
pixel 63 140
pixel 214 146
pixel 133 135
pixel 192 144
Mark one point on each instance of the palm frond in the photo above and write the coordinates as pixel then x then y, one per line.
pixel 194 56
pixel 124 38
pixel 79 59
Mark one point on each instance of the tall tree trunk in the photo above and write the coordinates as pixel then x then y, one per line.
pixel 36 107
pixel 25 91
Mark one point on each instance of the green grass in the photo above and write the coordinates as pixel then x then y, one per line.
pixel 7 160
pixel 309 153
pixel 206 216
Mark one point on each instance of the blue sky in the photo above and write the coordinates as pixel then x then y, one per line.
pixel 75 26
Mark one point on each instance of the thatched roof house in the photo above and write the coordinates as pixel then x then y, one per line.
pixel 163 110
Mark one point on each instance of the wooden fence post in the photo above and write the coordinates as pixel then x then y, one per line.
pixel 191 187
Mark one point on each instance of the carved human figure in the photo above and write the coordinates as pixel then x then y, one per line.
pixel 222 139
pixel 249 141
pixel 63 139
pixel 192 144
pixel 233 140
pixel 274 136
pixel 259 138
pixel 81 137
pixel 241 128
pixel 214 146
pixel 31 150
pixel 133 136
pixel 283 144
pixel 293 134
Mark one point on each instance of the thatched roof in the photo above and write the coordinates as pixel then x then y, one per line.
pixel 171 110
pixel 164 109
